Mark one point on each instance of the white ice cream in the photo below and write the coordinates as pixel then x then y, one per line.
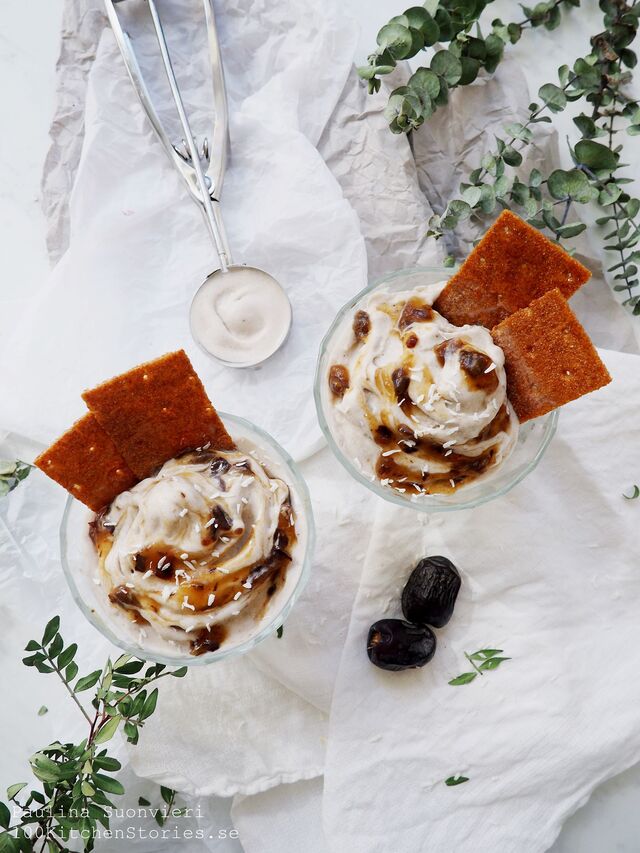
pixel 241 316
pixel 204 543
pixel 413 400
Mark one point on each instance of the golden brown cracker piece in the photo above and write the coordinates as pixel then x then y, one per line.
pixel 87 463
pixel 511 266
pixel 156 411
pixel 549 358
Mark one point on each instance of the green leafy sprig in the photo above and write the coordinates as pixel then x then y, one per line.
pixel 12 473
pixel 599 81
pixel 451 23
pixel 484 660
pixel 546 202
pixel 76 780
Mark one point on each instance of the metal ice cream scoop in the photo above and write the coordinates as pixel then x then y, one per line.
pixel 240 314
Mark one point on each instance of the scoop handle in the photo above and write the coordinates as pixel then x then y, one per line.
pixel 210 208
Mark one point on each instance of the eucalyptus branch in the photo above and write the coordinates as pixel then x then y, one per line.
pixel 447 22
pixel 598 79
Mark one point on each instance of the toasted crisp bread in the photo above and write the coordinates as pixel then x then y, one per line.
pixel 156 411
pixel 511 266
pixel 87 463
pixel 549 357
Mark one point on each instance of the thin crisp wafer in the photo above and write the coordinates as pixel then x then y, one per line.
pixel 87 463
pixel 156 411
pixel 511 266
pixel 549 357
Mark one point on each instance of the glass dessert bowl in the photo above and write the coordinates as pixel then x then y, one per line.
pixel 245 522
pixel 417 409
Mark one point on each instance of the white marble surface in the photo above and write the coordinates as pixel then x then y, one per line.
pixel 28 50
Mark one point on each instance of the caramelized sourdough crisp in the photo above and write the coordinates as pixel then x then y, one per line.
pixel 156 411
pixel 549 357
pixel 511 266
pixel 87 463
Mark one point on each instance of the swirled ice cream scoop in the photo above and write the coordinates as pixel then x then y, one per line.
pixel 203 543
pixel 415 401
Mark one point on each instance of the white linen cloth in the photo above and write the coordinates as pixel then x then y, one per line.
pixel 549 576
pixel 148 251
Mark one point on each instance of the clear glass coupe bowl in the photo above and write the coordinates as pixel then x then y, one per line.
pixel 533 439
pixel 79 562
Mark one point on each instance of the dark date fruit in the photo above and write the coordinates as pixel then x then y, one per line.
pixel 430 593
pixel 395 644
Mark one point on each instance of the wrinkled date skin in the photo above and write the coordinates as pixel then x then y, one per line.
pixel 430 593
pixel 394 644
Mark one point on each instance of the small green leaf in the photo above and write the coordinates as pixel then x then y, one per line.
pixel 87 788
pixel 447 66
pixel 51 630
pixel 167 794
pixel 553 96
pixel 131 731
pixel 42 710
pixel 465 678
pixel 396 39
pixel 87 681
pixel 492 663
pixel 455 780
pixel 5 816
pixel 635 494
pixel 143 802
pixel 149 705
pixel 45 768
pixel 108 730
pixel 571 230
pixel 595 156
pixel 181 672
pixel 511 156
pixel 105 762
pixel 14 790
pixel 472 196
pixel 482 654
pixel 425 82
pixel 280 632
pixel 67 655
pixel 586 125
pixel 106 783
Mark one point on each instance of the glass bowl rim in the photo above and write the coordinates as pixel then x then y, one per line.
pixel 277 621
pixel 550 420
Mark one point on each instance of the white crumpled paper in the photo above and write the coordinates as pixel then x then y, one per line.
pixel 138 250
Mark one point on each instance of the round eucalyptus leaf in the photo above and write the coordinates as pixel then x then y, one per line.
pixel 447 66
pixel 557 184
pixel 595 156
pixel 470 69
pixel 417 16
pixel 417 41
pixel 472 196
pixel 553 96
pixel 425 81
pixel 511 157
pixel 396 39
